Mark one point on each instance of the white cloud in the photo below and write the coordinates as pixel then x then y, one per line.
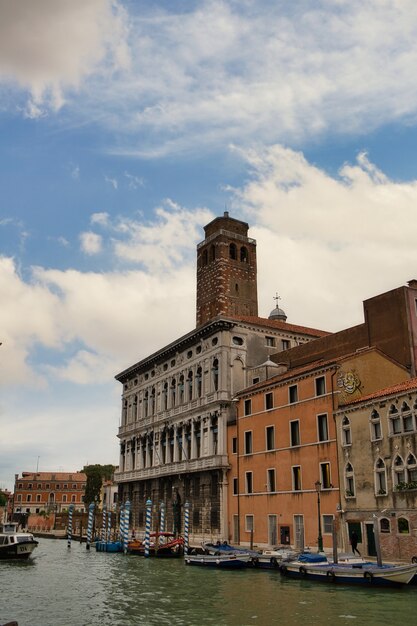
pixel 316 234
pixel 112 181
pixel 101 218
pixel 134 181
pixel 168 80
pixel 91 243
pixel 48 46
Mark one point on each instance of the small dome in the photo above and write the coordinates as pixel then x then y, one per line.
pixel 277 314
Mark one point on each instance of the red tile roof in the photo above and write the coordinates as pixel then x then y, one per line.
pixel 279 325
pixel 407 385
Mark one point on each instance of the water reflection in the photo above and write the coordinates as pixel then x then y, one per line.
pixel 79 588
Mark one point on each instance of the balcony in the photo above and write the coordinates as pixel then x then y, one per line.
pixel 181 467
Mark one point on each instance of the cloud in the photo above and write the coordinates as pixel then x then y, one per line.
pixel 134 181
pixel 316 233
pixel 48 47
pixel 168 80
pixel 113 182
pixel 101 218
pixel 91 243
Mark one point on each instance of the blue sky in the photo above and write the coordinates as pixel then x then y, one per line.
pixel 125 127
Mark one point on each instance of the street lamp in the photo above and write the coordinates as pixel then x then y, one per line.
pixel 317 485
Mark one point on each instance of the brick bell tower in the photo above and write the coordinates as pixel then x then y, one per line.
pixel 226 271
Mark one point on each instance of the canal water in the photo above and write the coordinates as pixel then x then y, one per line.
pixel 76 587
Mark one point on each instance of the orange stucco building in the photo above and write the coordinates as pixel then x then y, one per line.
pixel 48 491
pixel 283 480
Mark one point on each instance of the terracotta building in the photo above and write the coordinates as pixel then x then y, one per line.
pixel 48 491
pixel 283 453
pixel 176 403
pixel 378 469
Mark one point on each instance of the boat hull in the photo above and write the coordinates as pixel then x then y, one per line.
pixel 21 550
pixel 109 546
pixel 232 561
pixel 386 575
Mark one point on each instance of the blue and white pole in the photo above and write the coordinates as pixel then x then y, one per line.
pixel 121 523
pixel 104 525
pixel 148 526
pixel 108 537
pixel 162 518
pixel 70 512
pixel 126 526
pixel 90 524
pixel 186 526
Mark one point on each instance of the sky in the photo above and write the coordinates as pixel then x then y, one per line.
pixel 128 125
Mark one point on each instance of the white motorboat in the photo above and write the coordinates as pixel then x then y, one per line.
pixel 15 544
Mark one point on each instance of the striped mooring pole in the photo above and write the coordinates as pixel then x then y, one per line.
pixel 162 518
pixel 148 526
pixel 90 524
pixel 108 537
pixel 121 523
pixel 70 512
pixel 126 526
pixel 186 525
pixel 104 526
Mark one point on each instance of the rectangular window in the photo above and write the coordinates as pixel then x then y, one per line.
pixel 38 498
pixel 270 341
pixel 248 442
pixel 249 482
pixel 28 497
pixel 270 437
pixel 320 386
pixel 376 430
pixel 328 524
pixel 234 445
pixel 235 486
pixel 293 394
pixel 248 407
pixel 285 344
pixel 271 480
pixel 296 478
pixel 255 380
pixel 322 429
pixel 249 523
pixel 295 433
pixel 269 401
pixel 325 475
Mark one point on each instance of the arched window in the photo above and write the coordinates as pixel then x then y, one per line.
pixel 375 422
pixel 349 481
pixel 152 407
pixel 173 392
pixel 233 251
pixel 244 255
pixel 380 477
pixel 146 405
pixel 346 433
pixel 399 471
pixel 165 397
pixel 384 525
pixel 411 468
pixel 394 420
pixel 407 418
pixel 199 382
pixel 215 372
pixel 190 386
pixel 181 389
pixel 403 526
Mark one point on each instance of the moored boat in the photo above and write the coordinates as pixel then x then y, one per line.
pixel 108 546
pixel 220 561
pixel 226 548
pixel 272 559
pixel 348 571
pixel 15 544
pixel 162 544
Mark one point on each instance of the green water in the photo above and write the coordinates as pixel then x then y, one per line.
pixel 76 587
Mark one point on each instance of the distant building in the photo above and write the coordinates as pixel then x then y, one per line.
pixel 176 403
pixel 378 469
pixel 48 491
pixel 109 495
pixel 283 450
